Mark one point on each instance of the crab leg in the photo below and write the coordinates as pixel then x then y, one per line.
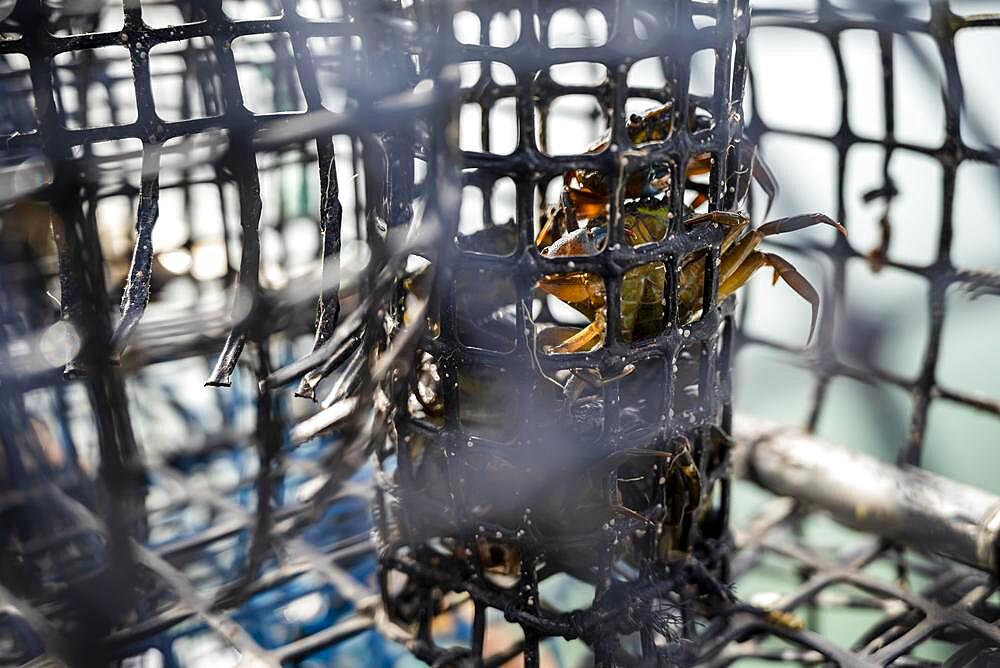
pixel 623 456
pixel 796 223
pixel 782 269
pixel 750 168
pixel 692 275
pixel 684 466
pixel 550 337
pixel 586 339
pixel 797 282
pixel 764 177
pixel 698 200
pixel 742 250
pixel 554 227
pixel 577 289
pixel 734 221
pixel 699 166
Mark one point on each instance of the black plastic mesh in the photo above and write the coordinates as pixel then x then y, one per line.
pixel 901 607
pixel 502 482
pixel 219 535
pixel 178 115
pixel 897 30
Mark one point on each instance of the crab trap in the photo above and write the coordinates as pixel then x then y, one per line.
pixel 398 332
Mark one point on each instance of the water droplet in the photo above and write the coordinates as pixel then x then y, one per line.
pixel 60 343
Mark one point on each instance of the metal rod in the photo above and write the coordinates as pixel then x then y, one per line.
pixel 904 504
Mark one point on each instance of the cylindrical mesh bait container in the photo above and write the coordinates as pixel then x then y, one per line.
pixel 533 446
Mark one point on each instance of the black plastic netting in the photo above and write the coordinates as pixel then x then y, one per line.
pixel 907 154
pixel 504 433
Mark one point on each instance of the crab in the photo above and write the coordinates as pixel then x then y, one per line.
pixel 642 288
pixel 586 194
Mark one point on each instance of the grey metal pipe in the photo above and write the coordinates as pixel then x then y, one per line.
pixel 905 504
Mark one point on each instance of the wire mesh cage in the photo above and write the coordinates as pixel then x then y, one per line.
pixel 457 278
pixel 899 167
pixel 532 450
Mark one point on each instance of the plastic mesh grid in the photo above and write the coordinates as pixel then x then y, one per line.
pixel 165 565
pixel 464 492
pixel 952 603
pixel 919 610
pixel 896 31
